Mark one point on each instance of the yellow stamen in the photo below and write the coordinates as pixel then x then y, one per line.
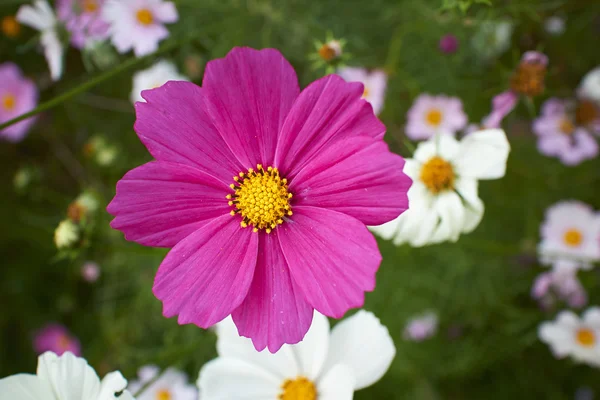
pixel 90 6
pixel 434 117
pixel 9 102
pixel 163 394
pixel 10 26
pixel 438 175
pixel 567 127
pixel 365 93
pixel 585 337
pixel 573 237
pixel 327 52
pixel 261 198
pixel 298 389
pixel 145 17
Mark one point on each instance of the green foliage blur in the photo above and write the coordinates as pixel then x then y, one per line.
pixel 486 346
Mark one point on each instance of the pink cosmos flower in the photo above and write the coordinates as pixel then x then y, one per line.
pixel 90 272
pixel 421 327
pixel 561 135
pixel 561 283
pixel 57 339
pixel 432 114
pixel 375 83
pixel 83 20
pixel 263 192
pixel 448 44
pixel 139 24
pixel 18 95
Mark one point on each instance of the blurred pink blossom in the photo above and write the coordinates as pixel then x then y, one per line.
pixel 57 339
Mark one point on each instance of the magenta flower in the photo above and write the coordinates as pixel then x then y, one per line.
pixel 435 114
pixel 448 44
pixel 83 20
pixel 263 192
pixel 18 95
pixel 57 339
pixel 562 132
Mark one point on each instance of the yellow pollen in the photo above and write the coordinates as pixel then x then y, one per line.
pixel 567 127
pixel 573 237
pixel 10 26
pixel 327 52
pixel 438 175
pixel 528 79
pixel 145 17
pixel 261 198
pixel 434 117
pixel 298 389
pixel 365 93
pixel 90 6
pixel 8 102
pixel 585 337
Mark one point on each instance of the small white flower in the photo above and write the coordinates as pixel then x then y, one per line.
pixel 444 200
pixel 88 201
pixel 172 384
pixel 493 38
pixel 66 234
pixel 41 17
pixel 590 85
pixel 63 378
pixel 570 335
pixel 139 24
pixel 374 82
pixel 555 25
pixel 327 366
pixel 153 77
pixel 570 236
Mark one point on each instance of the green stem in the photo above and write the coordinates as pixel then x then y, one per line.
pixel 90 84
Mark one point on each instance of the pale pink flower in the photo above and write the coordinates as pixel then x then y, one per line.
pixel 18 95
pixel 435 114
pixel 90 271
pixel 83 19
pixel 421 327
pixel 375 83
pixel 57 339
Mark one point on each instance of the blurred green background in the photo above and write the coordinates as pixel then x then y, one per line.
pixel 486 346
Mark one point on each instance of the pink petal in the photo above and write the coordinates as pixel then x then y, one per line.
pixel 174 127
pixel 248 95
pixel 357 176
pixel 328 110
pixel 502 105
pixel 274 311
pixel 207 275
pixel 332 257
pixel 158 204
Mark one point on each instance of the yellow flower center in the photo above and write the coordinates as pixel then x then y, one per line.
pixel 261 197
pixel 327 52
pixel 566 126
pixel 434 117
pixel 145 17
pixel 90 6
pixel 585 337
pixel 9 102
pixel 163 394
pixel 298 389
pixel 586 112
pixel 528 79
pixel 438 175
pixel 10 26
pixel 365 93
pixel 573 237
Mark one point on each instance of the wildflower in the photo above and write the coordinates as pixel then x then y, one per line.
pixel 444 200
pixel 153 77
pixel 435 114
pixel 571 336
pixel 564 130
pixel 570 233
pixel 421 327
pixel 10 26
pixel 67 234
pixel 589 87
pixel 64 377
pixel 555 25
pixel 18 95
pixel 290 178
pixel 326 365
pixel 331 50
pixel 90 272
pixel 82 207
pixel 57 339
pixel 83 19
pixel 374 82
pixel 329 55
pixel 448 44
pixel 172 384
pixel 139 25
pixel 41 17
pixel 492 38
pixel 561 283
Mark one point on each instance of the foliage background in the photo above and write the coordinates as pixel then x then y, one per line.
pixel 487 345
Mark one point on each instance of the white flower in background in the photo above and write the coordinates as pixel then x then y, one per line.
pixel 571 336
pixel 421 327
pixel 153 77
pixel 429 115
pixel 570 236
pixel 327 366
pixel 492 38
pixel 63 378
pixel 172 384
pixel 444 200
pixel 139 24
pixel 589 87
pixel 375 83
pixel 66 234
pixel 41 17
pixel 555 25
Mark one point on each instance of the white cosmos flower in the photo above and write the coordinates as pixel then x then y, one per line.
pixel 172 384
pixel 41 17
pixel 571 336
pixel 63 378
pixel 444 200
pixel 324 366
pixel 375 83
pixel 153 77
pixel 590 85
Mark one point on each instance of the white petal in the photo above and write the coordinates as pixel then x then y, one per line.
pixel 25 387
pixel 53 52
pixel 557 337
pixel 70 377
pixel 568 319
pixel 364 344
pixel 39 17
pixel 451 211
pixel 483 155
pixel 474 208
pixel 312 350
pixel 446 146
pixel 227 378
pixel 231 344
pixel 111 384
pixel 591 317
pixel 337 384
pixel 386 231
pixel 425 151
pixel 148 372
